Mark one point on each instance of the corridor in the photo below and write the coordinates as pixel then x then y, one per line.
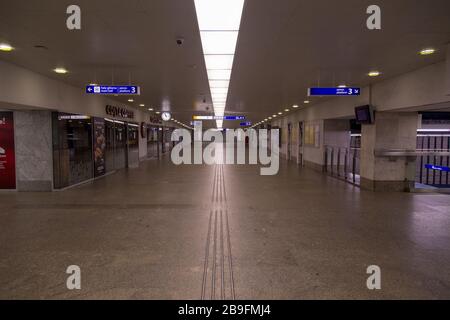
pixel 162 231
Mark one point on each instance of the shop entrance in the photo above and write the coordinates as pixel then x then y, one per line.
pixel 120 145
pixel 289 142
pixel 72 149
pixel 300 144
pixel 152 142
pixel 132 145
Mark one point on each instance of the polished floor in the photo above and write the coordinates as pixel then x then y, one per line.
pixel 222 232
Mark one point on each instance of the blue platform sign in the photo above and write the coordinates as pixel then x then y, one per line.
pixel 438 168
pixel 246 124
pixel 234 118
pixel 334 91
pixel 125 90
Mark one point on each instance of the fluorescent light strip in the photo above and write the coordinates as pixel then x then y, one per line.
pixel 433 130
pixel 219 22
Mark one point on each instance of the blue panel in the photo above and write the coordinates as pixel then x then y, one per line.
pixel 334 91
pixel 438 168
pixel 126 90
pixel 233 118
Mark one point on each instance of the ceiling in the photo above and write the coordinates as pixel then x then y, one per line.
pixel 120 42
pixel 284 47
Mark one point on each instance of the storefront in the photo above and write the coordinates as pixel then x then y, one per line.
pixel 72 149
pixel 152 141
pixel 87 147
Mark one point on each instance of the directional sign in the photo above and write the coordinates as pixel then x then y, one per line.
pixel 218 117
pixel 246 124
pixel 234 118
pixel 334 91
pixel 125 90
pixel 438 168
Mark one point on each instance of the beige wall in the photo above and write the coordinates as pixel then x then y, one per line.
pixel 22 89
pixel 423 87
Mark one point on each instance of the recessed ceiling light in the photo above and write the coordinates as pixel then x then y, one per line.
pixel 342 86
pixel 142 105
pixel 60 70
pixel 150 109
pixel 286 110
pixel 306 101
pixel 274 116
pixel 280 113
pixel 93 84
pixel 40 46
pixel 130 100
pixel 157 112
pixel 427 51
pixel 374 73
pixel 6 47
pixel 270 118
pixel 295 106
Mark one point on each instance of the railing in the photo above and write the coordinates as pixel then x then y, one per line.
pixel 342 163
pixel 432 165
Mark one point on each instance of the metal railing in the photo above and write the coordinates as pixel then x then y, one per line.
pixel 343 163
pixel 432 165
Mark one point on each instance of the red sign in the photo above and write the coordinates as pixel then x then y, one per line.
pixel 7 156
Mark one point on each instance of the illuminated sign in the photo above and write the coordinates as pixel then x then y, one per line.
pixel 334 91
pixel 119 112
pixel 438 168
pixel 125 90
pixel 218 118
pixel 73 117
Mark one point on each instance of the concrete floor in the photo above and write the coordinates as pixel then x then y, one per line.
pixel 162 232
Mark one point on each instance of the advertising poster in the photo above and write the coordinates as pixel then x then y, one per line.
pixel 7 155
pixel 99 147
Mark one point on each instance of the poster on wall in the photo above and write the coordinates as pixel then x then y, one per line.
pixel 99 147
pixel 317 136
pixel 309 139
pixel 7 154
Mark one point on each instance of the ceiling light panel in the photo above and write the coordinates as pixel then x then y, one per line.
pixel 219 61
pixel 219 42
pixel 219 83
pixel 219 22
pixel 219 14
pixel 219 74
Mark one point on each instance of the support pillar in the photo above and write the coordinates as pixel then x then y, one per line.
pixel 391 130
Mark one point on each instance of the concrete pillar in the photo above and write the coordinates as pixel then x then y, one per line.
pixel 391 130
pixel 34 155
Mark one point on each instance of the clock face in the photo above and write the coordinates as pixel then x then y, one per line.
pixel 166 116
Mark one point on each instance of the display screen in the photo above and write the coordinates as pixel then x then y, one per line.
pixel 364 115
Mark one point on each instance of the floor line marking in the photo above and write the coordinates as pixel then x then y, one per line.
pixel 213 286
pixel 208 237
pixel 230 258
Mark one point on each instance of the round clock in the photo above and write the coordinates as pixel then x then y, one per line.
pixel 166 116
